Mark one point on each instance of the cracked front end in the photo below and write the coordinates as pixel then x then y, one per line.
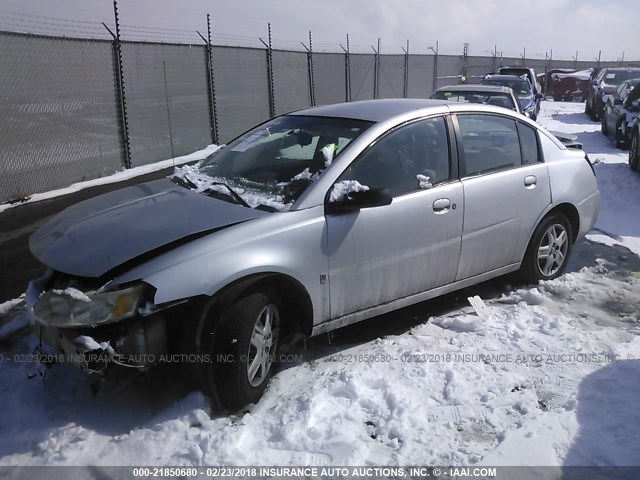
pixel 94 327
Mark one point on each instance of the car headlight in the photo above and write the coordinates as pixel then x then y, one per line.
pixel 73 308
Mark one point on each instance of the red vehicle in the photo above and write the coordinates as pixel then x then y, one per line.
pixel 568 85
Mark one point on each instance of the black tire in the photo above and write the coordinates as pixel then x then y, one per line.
pixel 603 126
pixel 634 153
pixel 587 108
pixel 226 378
pixel 621 142
pixel 532 268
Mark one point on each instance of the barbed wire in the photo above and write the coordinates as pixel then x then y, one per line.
pixel 67 27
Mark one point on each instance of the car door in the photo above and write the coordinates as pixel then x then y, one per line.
pixel 377 255
pixel 506 189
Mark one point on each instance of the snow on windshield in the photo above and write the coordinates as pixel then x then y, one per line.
pixel 341 190
pixel 253 197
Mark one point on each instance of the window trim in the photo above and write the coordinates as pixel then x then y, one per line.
pixel 460 146
pixel 451 144
pixel 540 153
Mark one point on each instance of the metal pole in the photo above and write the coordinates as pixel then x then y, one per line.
pixel 120 94
pixel 213 111
pixel 599 57
pixel 494 62
pixel 312 86
pixel 348 69
pixel 405 89
pixel 376 70
pixel 272 96
pixel 166 97
pixel 465 55
pixel 435 66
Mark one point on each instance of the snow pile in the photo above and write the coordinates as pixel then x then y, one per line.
pixel 425 181
pixel 73 293
pixel 328 152
pixel 343 189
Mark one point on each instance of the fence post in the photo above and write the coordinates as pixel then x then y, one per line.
pixel 405 88
pixel 272 100
pixel 465 59
pixel 376 71
pixel 347 71
pixel 435 66
pixel 312 86
pixel 213 110
pixel 121 99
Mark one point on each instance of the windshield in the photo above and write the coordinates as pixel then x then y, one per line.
pixel 521 87
pixel 490 98
pixel 616 77
pixel 270 166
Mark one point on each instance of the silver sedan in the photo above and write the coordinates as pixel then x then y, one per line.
pixel 311 221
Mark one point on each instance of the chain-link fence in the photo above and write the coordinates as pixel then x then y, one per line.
pixel 75 109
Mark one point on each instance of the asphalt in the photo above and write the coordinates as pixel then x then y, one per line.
pixel 17 265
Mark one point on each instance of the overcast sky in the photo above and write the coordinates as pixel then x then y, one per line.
pixel 539 25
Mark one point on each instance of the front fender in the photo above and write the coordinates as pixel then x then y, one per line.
pixel 289 243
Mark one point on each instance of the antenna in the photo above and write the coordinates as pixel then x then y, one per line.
pixel 166 96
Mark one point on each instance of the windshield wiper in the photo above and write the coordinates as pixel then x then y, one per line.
pixel 236 197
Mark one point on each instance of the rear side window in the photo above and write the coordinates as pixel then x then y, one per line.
pixel 489 143
pixel 529 144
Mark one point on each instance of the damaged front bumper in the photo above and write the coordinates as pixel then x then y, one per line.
pixel 136 341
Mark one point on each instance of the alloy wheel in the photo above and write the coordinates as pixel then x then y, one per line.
pixel 264 340
pixel 552 250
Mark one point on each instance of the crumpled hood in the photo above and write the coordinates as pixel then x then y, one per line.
pixel 94 236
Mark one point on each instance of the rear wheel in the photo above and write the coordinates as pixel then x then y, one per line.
pixel 587 108
pixel 549 249
pixel 242 350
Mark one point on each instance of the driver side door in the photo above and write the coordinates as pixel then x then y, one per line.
pixel 377 255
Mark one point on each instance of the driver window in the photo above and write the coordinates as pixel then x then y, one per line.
pixel 409 158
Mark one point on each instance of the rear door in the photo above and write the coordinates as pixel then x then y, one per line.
pixel 506 189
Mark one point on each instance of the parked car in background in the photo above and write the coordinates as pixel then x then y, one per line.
pixel 568 86
pixel 495 95
pixel 311 221
pixel 529 101
pixel 634 145
pixel 605 83
pixel 529 72
pixel 620 110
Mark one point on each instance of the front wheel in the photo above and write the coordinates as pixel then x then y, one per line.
pixel 549 249
pixel 245 342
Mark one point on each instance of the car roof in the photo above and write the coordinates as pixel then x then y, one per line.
pixel 371 110
pixel 476 87
pixel 503 77
pixel 621 69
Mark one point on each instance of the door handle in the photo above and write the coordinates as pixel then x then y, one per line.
pixel 441 205
pixel 530 181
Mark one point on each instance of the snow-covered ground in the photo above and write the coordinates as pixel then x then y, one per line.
pixel 544 375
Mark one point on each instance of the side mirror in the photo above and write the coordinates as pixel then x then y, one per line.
pixel 539 96
pixel 374 197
